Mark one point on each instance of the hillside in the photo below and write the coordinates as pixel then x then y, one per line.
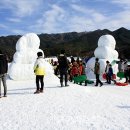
pixel 78 44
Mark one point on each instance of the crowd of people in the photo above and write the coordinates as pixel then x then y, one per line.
pixel 71 69
pixel 77 68
pixel 65 69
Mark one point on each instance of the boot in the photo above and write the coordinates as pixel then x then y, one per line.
pixel 61 84
pixel 66 84
pixel 85 83
pixel 101 84
pixel 37 92
pixel 41 90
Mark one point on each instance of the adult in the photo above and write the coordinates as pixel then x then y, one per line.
pixel 3 72
pixel 39 69
pixel 126 71
pixel 63 67
pixel 120 65
pixel 97 72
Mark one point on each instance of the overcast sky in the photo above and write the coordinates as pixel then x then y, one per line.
pixel 18 17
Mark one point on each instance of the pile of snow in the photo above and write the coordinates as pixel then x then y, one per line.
pixel 105 51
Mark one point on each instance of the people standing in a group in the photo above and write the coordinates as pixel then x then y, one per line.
pixel 39 69
pixel 63 67
pixel 97 72
pixel 3 72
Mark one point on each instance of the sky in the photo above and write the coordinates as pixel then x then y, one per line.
pixel 18 17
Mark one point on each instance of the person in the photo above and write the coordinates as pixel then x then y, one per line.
pixel 97 72
pixel 39 69
pixel 110 74
pixel 126 71
pixel 106 71
pixel 72 59
pixel 63 67
pixel 75 70
pixel 55 67
pixel 3 72
pixel 81 67
pixel 120 65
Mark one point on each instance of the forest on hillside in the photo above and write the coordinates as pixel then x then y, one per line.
pixel 80 44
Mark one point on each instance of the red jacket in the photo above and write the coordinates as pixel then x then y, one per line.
pixel 74 71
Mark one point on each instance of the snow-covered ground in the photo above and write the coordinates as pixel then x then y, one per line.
pixel 69 108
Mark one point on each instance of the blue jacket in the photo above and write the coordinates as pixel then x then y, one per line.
pixel 110 71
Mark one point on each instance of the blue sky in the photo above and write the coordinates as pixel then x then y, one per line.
pixel 18 17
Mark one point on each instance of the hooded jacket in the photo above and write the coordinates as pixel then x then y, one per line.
pixel 39 66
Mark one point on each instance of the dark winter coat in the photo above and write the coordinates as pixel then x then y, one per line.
pixel 63 62
pixel 97 68
pixel 3 64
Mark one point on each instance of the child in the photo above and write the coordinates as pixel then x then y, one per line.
pixel 39 69
pixel 74 70
pixel 110 74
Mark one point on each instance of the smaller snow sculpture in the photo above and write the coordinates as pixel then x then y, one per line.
pixel 105 51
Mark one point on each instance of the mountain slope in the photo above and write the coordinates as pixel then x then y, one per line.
pixel 78 44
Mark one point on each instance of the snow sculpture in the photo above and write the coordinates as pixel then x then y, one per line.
pixel 105 51
pixel 24 58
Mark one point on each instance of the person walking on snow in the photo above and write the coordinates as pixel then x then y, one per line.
pixel 97 72
pixel 39 69
pixel 63 67
pixel 3 72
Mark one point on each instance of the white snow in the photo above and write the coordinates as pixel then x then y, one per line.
pixel 69 108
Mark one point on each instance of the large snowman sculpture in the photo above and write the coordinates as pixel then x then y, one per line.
pixel 24 58
pixel 105 51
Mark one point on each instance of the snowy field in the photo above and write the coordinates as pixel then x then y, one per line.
pixel 69 108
